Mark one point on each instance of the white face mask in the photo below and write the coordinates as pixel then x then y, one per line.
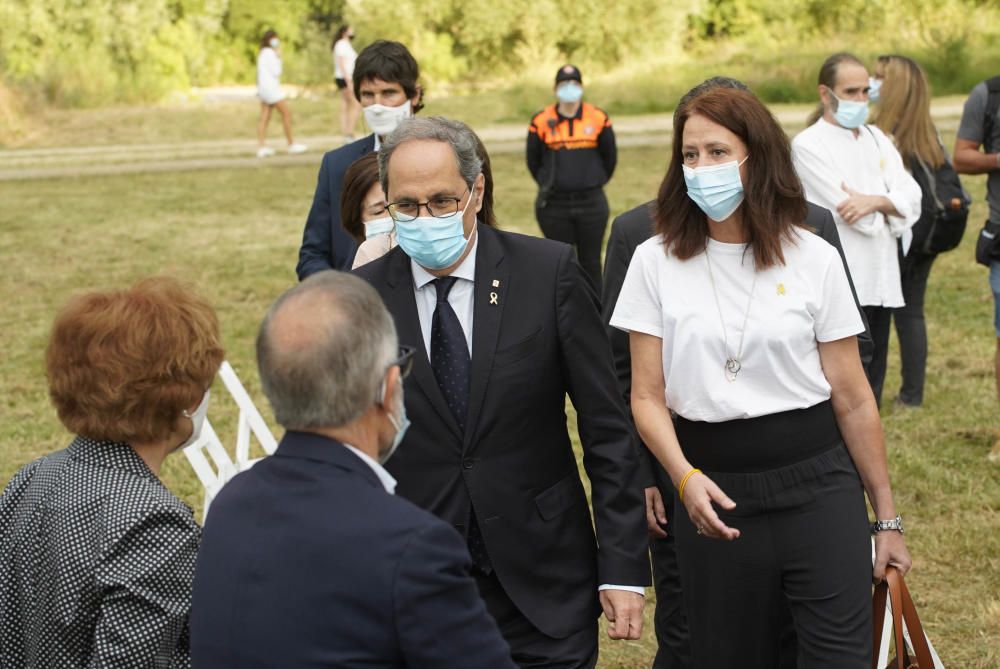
pixel 383 120
pixel 197 421
pixel 274 42
pixel 380 226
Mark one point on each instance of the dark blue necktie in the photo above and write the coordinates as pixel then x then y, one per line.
pixel 452 367
pixel 450 353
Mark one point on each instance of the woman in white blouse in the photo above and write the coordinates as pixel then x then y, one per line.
pixel 271 96
pixel 344 57
pixel 742 325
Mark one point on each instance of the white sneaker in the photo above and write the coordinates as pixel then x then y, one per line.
pixel 297 148
pixel 265 152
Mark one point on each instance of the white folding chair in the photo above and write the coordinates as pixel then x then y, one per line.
pixel 210 459
pixel 883 651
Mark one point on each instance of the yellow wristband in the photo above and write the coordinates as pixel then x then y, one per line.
pixel 684 481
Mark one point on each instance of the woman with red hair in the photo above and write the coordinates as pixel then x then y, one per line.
pixel 96 555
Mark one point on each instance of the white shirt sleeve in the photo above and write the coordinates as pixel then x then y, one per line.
pixel 639 308
pixel 904 191
pixel 820 179
pixel 835 314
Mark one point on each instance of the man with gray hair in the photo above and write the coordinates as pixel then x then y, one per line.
pixel 308 558
pixel 505 326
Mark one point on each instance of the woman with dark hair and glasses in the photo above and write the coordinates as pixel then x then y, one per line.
pixel 366 218
pixel 742 324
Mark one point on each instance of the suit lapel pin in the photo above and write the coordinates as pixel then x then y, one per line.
pixel 494 298
pixel 496 283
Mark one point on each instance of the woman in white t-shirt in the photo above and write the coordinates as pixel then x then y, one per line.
pixel 743 325
pixel 271 96
pixel 344 56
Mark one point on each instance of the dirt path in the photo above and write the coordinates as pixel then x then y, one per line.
pixel 70 162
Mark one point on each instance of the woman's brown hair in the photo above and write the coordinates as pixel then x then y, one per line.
pixel 358 180
pixel 773 202
pixel 122 365
pixel 904 111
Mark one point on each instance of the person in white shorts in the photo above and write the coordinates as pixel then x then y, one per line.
pixel 271 97
pixel 344 56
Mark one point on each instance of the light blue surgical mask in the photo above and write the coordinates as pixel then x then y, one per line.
pixel 716 189
pixel 850 114
pixel 569 92
pixel 402 424
pixel 434 243
pixel 380 226
pixel 874 88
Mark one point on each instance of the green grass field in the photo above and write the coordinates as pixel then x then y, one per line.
pixel 235 236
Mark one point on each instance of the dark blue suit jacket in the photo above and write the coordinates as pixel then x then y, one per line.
pixel 306 561
pixel 325 243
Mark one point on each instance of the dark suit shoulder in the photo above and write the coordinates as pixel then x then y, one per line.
pixel 348 153
pixel 519 245
pixel 636 223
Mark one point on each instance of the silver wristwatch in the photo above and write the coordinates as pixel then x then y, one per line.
pixel 882 525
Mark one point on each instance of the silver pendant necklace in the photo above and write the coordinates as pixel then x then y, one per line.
pixel 733 362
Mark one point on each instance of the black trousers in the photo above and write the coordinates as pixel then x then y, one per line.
pixel 530 648
pixel 804 542
pixel 670 625
pixel 911 326
pixel 879 322
pixel 578 219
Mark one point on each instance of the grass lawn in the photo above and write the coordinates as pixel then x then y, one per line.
pixel 235 236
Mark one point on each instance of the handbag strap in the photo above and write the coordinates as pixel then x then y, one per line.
pixel 894 588
pixel 917 636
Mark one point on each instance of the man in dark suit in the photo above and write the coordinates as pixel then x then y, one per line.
pixel 308 559
pixel 385 82
pixel 489 450
pixel 628 231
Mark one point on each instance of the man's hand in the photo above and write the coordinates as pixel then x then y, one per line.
pixel 858 205
pixel 623 609
pixel 656 515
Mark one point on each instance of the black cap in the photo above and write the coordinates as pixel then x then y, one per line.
pixel 569 73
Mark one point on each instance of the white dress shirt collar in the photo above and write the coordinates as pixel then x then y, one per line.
pixel 466 270
pixel 384 477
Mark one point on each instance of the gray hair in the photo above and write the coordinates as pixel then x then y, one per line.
pixel 457 135
pixel 323 349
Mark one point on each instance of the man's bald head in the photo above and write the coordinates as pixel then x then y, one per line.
pixel 323 349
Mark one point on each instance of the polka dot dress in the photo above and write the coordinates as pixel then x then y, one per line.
pixel 96 563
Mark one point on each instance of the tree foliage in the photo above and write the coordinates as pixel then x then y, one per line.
pixel 95 51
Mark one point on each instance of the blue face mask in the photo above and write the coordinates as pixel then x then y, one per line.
pixel 569 92
pixel 717 189
pixel 380 226
pixel 434 243
pixel 874 86
pixel 850 114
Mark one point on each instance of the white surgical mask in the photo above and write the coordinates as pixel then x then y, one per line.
pixel 274 42
pixel 380 226
pixel 383 120
pixel 198 418
pixel 401 424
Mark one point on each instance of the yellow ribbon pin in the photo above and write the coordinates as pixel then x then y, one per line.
pixel 781 289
